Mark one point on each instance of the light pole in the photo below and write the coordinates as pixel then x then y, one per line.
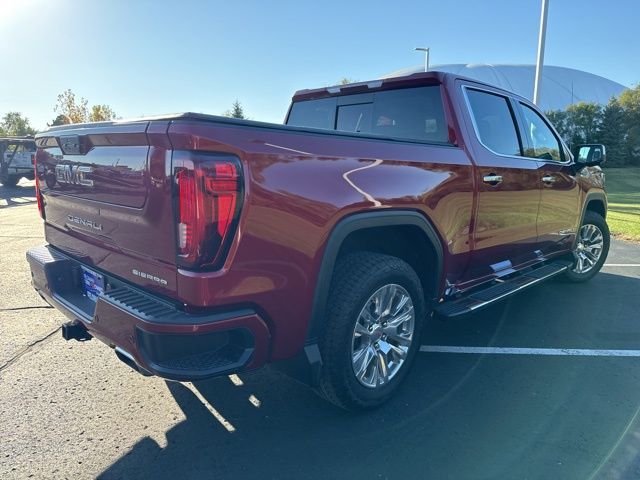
pixel 540 59
pixel 426 56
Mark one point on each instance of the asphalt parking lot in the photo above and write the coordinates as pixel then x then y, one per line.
pixel 546 385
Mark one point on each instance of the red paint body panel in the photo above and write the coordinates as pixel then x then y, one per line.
pixel 297 188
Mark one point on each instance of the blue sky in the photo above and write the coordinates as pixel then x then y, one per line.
pixel 146 57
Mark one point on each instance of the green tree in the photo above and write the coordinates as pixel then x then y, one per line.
pixel 616 125
pixel 630 102
pixel 14 124
pixel 236 111
pixel 101 113
pixel 613 133
pixel 347 81
pixel 60 120
pixel 74 109
pixel 584 122
pixel 71 109
pixel 560 120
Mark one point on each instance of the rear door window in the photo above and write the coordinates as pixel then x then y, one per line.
pixel 494 122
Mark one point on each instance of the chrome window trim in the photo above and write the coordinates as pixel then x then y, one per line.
pixel 475 125
pixel 507 97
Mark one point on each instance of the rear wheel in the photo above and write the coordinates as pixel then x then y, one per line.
pixel 591 249
pixel 375 310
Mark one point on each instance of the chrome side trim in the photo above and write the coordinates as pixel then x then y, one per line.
pixel 500 290
pixel 516 290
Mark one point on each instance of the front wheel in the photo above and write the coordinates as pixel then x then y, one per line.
pixel 375 312
pixel 591 248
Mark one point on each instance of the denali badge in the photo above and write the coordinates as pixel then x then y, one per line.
pixel 138 273
pixel 74 175
pixel 84 222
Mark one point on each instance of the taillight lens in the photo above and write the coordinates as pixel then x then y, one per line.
pixel 34 160
pixel 208 196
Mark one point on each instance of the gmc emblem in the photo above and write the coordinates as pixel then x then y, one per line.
pixel 73 175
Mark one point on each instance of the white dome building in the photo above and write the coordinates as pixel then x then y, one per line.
pixel 560 86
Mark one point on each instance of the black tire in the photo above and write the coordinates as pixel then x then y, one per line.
pixel 356 278
pixel 9 180
pixel 591 218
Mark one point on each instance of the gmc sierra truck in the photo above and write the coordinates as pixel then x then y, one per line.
pixel 197 246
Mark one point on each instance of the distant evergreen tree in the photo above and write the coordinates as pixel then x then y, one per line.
pixel 585 120
pixel 630 102
pixel 236 111
pixel 616 126
pixel 612 133
pixel 559 119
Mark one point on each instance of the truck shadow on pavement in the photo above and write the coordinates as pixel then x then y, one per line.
pixel 456 416
pixel 16 196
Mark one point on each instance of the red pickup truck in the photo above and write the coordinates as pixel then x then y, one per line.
pixel 199 246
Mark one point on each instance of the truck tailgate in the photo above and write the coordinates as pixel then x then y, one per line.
pixel 106 191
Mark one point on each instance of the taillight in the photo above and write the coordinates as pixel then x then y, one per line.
pixel 37 181
pixel 208 197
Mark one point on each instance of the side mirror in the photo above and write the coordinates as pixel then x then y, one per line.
pixel 590 155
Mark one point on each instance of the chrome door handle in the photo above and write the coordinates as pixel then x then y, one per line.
pixel 492 179
pixel 549 179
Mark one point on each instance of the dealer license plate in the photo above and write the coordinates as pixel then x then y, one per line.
pixel 92 283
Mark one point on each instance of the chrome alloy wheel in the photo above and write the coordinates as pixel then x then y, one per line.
pixel 588 248
pixel 382 335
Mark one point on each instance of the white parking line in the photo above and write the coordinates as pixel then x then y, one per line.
pixel 621 265
pixel 583 352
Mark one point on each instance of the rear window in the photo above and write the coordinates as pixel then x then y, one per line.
pixel 355 118
pixel 22 148
pixel 314 113
pixel 411 113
